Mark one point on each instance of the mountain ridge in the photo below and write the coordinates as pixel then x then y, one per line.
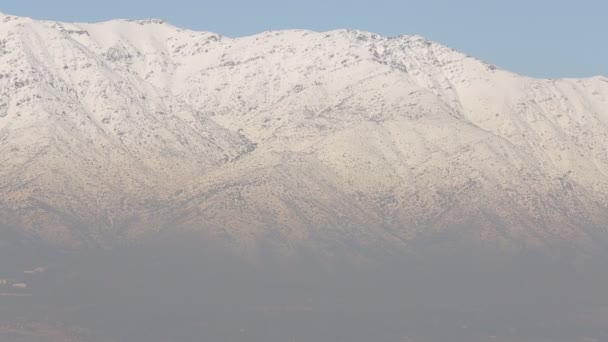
pixel 123 130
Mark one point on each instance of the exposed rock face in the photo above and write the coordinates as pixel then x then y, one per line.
pixel 129 130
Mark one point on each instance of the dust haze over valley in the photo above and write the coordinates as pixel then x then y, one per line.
pixel 163 184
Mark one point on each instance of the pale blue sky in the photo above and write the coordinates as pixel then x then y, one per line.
pixel 545 38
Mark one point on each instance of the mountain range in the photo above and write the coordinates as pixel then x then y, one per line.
pixel 136 130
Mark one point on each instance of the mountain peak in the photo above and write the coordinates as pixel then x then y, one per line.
pixel 140 22
pixel 147 21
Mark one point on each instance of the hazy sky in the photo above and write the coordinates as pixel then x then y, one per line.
pixel 547 38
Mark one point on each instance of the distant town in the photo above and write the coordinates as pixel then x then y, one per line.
pixel 14 287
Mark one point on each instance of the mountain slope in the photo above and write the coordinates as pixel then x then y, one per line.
pixel 134 130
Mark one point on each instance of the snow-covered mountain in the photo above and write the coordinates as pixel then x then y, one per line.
pixel 135 130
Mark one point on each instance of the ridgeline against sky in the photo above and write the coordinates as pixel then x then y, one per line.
pixel 544 38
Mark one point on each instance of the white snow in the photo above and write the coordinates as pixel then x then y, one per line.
pixel 123 129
